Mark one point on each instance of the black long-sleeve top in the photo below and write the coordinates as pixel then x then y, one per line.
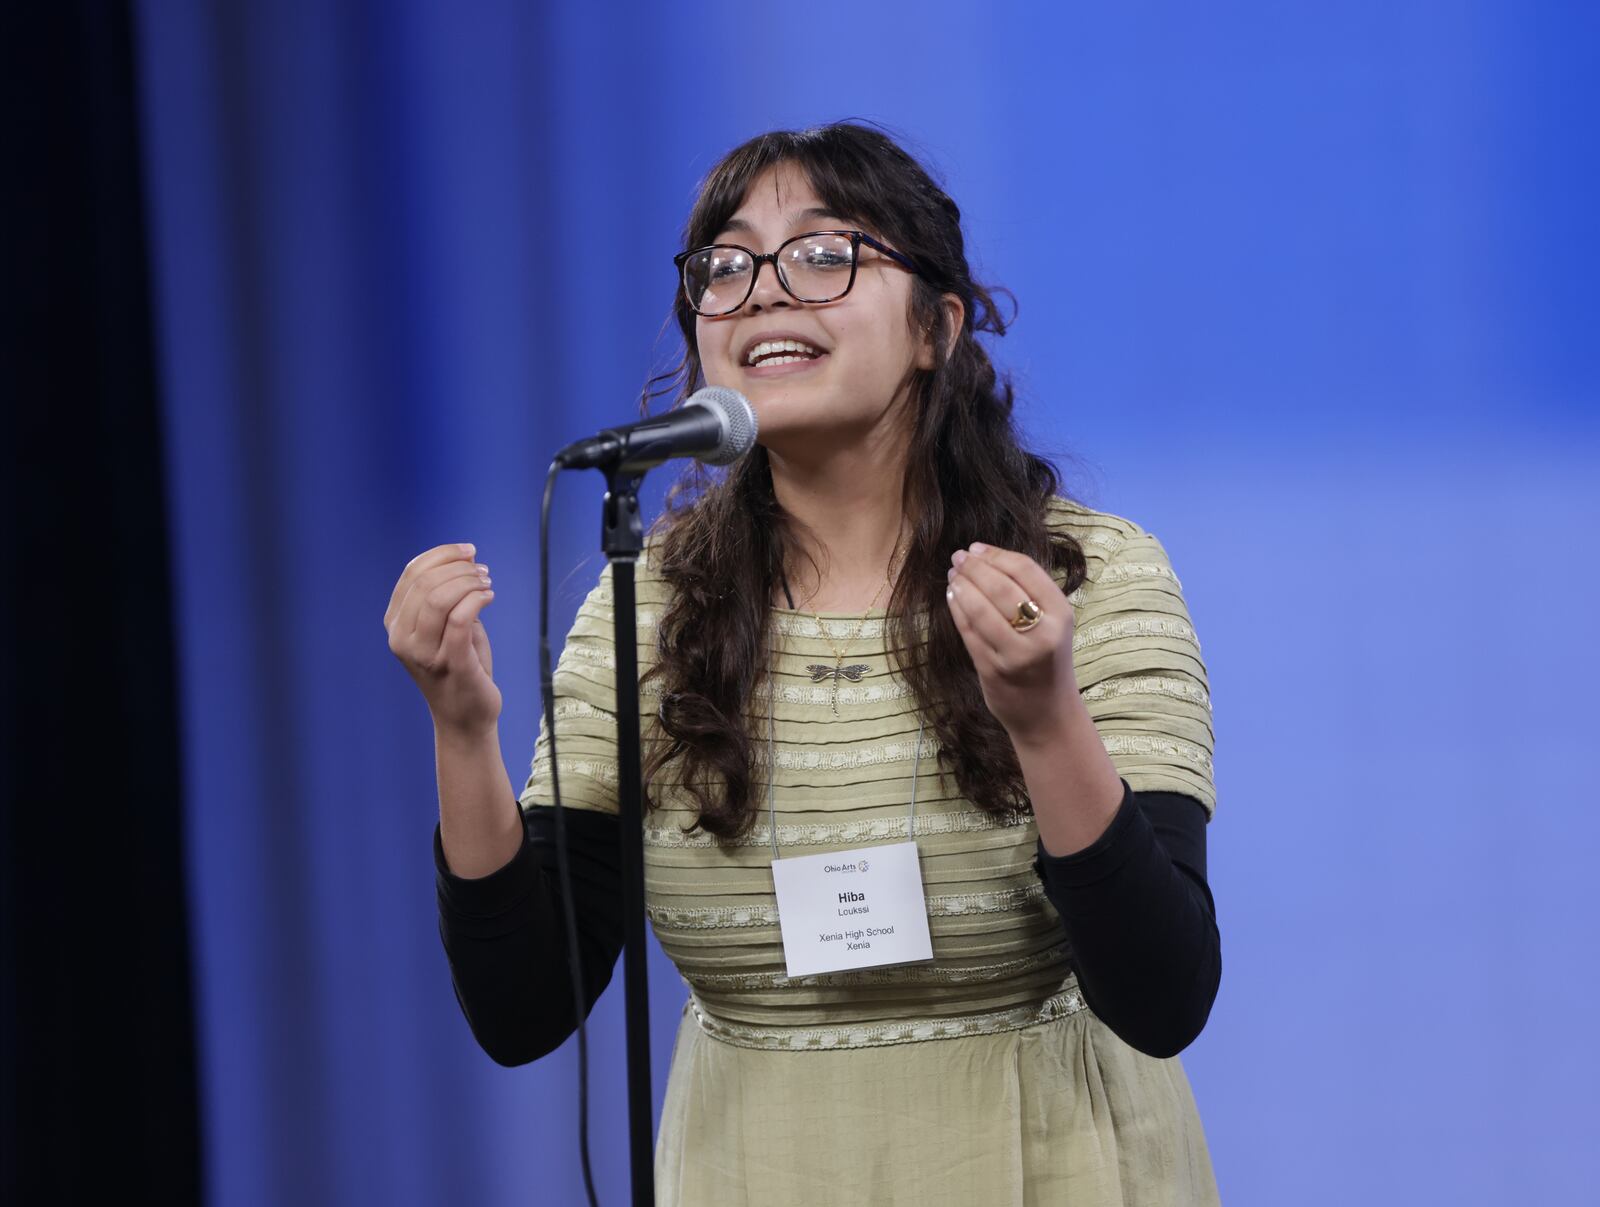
pixel 1138 918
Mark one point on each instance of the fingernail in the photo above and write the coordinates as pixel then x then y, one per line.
pixel 949 574
pixel 960 556
pixel 978 547
pixel 950 592
pixel 470 550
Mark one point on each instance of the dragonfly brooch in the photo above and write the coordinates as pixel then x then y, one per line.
pixel 853 672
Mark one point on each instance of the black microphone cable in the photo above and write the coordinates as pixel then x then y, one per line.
pixel 563 868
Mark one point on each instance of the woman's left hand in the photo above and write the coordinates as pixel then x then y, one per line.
pixel 1028 680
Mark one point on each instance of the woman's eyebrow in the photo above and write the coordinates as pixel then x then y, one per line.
pixel 817 211
pixel 739 225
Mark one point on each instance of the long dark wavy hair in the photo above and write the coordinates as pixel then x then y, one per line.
pixel 722 540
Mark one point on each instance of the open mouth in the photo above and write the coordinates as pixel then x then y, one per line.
pixel 769 353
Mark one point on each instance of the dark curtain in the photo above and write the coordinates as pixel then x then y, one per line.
pixel 95 1016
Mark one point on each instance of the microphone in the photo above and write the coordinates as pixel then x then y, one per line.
pixel 716 425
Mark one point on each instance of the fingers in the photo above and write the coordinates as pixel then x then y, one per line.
pixel 972 593
pixel 480 641
pixel 459 641
pixel 992 598
pixel 435 632
pixel 420 565
pixel 417 629
pixel 1028 578
pixel 987 585
pixel 434 598
pixel 981 649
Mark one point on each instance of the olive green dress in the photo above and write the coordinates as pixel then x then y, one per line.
pixel 981 1078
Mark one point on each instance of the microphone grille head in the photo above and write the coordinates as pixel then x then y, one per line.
pixel 738 423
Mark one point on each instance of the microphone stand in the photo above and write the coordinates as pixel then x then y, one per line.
pixel 723 424
pixel 622 540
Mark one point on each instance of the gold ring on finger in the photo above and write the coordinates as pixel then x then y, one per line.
pixel 1028 614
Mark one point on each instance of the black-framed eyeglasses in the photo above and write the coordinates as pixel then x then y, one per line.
pixel 819 266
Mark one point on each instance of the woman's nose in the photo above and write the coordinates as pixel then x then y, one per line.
pixel 767 292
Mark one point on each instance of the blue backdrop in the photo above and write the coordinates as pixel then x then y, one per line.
pixel 1306 289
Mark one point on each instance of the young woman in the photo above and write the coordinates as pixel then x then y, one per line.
pixel 885 626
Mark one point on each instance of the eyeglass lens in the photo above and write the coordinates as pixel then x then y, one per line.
pixel 812 268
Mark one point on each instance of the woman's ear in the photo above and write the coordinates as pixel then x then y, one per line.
pixel 952 313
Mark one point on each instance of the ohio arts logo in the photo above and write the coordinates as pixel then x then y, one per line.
pixel 865 865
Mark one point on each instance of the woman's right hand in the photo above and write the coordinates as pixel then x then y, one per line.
pixel 434 630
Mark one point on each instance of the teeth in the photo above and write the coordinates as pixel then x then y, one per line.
pixel 771 346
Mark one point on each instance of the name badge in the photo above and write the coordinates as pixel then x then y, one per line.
pixel 852 909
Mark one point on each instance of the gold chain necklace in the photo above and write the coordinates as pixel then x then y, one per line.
pixel 839 670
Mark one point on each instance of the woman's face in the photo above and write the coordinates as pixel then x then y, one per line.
pixel 862 351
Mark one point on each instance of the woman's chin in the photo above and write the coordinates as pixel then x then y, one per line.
pixel 781 421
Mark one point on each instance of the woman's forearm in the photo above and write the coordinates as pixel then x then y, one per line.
pixel 1071 781
pixel 1141 923
pixel 506 940
pixel 1142 928
pixel 480 825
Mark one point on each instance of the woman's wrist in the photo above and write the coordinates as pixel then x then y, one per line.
pixel 479 822
pixel 1072 783
pixel 1049 730
pixel 467 739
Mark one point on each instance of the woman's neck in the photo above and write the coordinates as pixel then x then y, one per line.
pixel 848 516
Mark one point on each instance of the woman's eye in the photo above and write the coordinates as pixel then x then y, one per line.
pixel 721 271
pixel 821 257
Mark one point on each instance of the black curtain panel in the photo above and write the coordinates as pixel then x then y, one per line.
pixel 96 1022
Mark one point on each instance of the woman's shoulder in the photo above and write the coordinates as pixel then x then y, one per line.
pixel 650 590
pixel 1102 535
pixel 1064 514
pixel 651 584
